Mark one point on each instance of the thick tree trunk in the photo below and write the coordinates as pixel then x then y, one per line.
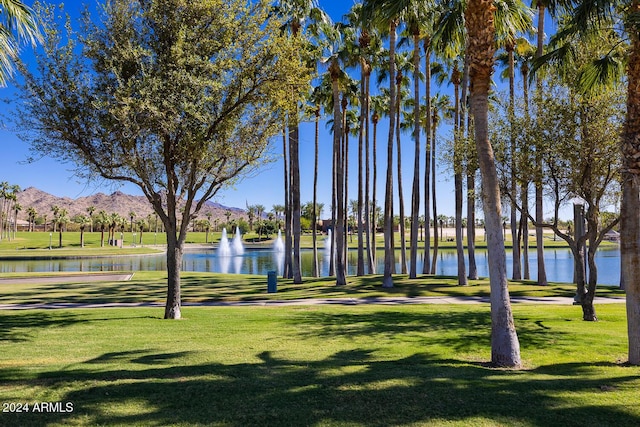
pixel 173 304
pixel 337 143
pixel 295 199
pixel 505 348
pixel 287 273
pixel 630 206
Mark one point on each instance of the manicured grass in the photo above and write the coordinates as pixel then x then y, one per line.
pixel 315 365
pixel 147 286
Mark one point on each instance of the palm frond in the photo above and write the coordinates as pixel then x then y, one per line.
pixel 601 73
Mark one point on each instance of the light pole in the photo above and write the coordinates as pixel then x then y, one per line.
pixel 50 237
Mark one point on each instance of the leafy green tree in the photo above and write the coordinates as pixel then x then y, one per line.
pixel 176 97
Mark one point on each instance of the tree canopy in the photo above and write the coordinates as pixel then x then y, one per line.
pixel 177 97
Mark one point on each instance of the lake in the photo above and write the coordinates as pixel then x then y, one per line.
pixel 559 263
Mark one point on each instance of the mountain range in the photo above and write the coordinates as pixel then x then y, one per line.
pixel 116 202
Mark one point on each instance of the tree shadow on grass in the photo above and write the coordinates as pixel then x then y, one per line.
pixel 346 388
pixel 18 326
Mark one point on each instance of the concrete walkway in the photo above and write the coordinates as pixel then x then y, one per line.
pixel 315 301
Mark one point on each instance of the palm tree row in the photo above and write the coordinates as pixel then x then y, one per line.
pixel 487 26
pixel 9 209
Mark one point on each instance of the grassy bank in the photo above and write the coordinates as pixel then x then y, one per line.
pixel 321 366
pixel 36 244
pixel 150 286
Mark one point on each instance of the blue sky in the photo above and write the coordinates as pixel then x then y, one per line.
pixel 263 187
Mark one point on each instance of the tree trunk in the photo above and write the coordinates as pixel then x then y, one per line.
pixel 314 219
pixel 287 273
pixel 370 235
pixel 427 166
pixel 457 166
pixel 172 308
pixel 415 190
pixel 434 260
pixel 403 240
pixel 295 199
pixel 374 192
pixel 542 273
pixel 471 228
pixel 337 142
pixel 524 226
pixel 505 348
pixel 360 262
pixel 389 256
pixel 630 206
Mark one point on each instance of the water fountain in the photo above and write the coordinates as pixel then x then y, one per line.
pixel 224 249
pixel 278 246
pixel 327 244
pixel 236 245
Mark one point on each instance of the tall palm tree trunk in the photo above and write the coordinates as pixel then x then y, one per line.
pixel 314 213
pixel 359 218
pixel 427 166
pixel 630 206
pixel 434 260
pixel 374 190
pixel 415 190
pixel 542 273
pixel 505 347
pixel 457 179
pixel 287 273
pixel 370 234
pixel 340 207
pixel 513 188
pixel 389 256
pixel 294 160
pixel 403 240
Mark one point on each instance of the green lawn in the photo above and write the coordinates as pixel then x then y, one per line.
pixel 315 365
pixel 148 286
pixel 36 244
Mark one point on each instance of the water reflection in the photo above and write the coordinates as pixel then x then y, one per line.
pixel 559 263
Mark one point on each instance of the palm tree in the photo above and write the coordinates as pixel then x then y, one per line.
pixel 16 208
pixel 479 21
pixel 32 214
pixel 62 219
pixel 82 221
pixel 56 212
pixel 383 16
pixel 102 221
pixel 441 106
pixel 379 106
pixel 90 211
pixel 457 167
pixel 19 25
pixel 297 12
